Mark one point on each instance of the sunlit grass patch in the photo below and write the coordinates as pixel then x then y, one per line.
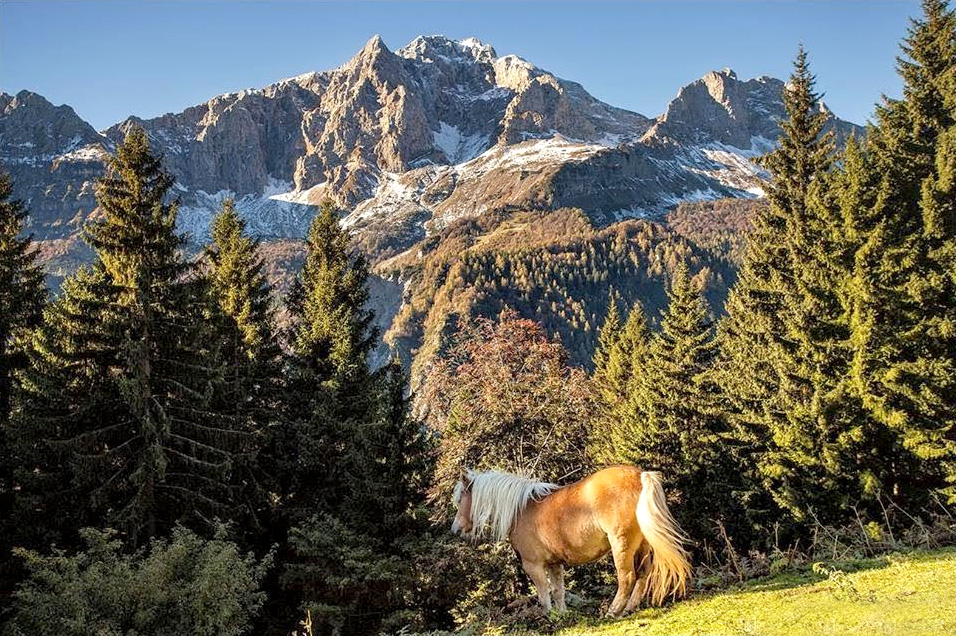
pixel 895 595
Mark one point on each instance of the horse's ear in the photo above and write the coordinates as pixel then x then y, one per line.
pixel 464 478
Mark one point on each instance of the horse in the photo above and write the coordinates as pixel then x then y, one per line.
pixel 621 510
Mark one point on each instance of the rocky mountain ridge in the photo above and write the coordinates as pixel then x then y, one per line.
pixel 407 142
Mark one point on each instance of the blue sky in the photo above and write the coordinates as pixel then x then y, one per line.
pixel 112 59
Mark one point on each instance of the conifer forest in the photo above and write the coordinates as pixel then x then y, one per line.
pixel 196 440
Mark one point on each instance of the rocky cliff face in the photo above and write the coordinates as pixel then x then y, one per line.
pixel 406 142
pixel 53 157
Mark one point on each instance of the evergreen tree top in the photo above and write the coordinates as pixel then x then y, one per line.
pixel 136 238
pixel 332 327
pixel 608 335
pixel 238 281
pixel 805 150
pixel 928 70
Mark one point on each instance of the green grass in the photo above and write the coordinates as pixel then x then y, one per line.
pixel 912 594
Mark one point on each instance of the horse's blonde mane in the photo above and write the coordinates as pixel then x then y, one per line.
pixel 497 498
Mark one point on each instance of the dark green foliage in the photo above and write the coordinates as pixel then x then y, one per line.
pixel 185 585
pixel 353 464
pixel 22 294
pixel 329 387
pixel 22 290
pixel 124 370
pixel 245 325
pixel 331 332
pixel 672 419
pixel 619 377
pixel 243 295
pixel 353 566
pixel 905 326
pixel 785 339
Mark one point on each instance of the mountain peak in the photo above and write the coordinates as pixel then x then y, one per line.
pixel 374 45
pixel 726 72
pixel 26 98
pixel 432 48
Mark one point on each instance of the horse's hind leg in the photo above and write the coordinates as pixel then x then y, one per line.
pixel 556 573
pixel 643 568
pixel 539 576
pixel 622 548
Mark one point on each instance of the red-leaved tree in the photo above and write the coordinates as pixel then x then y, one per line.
pixel 504 397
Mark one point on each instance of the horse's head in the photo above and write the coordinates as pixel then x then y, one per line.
pixel 463 524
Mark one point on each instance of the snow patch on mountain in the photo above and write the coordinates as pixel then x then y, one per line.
pixel 267 215
pixel 555 149
pixel 458 148
pixel 309 196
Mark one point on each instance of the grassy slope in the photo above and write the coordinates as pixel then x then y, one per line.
pixel 913 594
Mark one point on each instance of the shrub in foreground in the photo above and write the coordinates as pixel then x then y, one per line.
pixel 184 585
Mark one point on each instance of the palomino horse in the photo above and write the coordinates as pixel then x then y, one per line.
pixel 620 510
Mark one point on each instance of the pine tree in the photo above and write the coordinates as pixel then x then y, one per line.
pixel 332 331
pixel 608 335
pixel 122 374
pixel 677 396
pixel 618 378
pixel 329 383
pixel 245 324
pixel 354 462
pixel 22 290
pixel 785 341
pixel 242 292
pixel 905 332
pixel 824 454
pixel 22 295
pixel 753 334
pixel 394 459
pixel 675 425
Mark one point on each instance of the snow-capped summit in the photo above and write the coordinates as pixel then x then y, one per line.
pixel 431 48
pixel 409 140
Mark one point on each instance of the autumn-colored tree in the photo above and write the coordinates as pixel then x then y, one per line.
pixel 504 397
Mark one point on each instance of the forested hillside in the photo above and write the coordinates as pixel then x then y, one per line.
pixel 552 267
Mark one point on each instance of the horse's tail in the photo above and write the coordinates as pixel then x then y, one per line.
pixel 669 565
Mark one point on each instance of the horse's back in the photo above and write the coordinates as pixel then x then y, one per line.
pixel 613 492
pixel 574 521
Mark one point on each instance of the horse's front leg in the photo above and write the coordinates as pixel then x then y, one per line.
pixel 556 573
pixel 539 576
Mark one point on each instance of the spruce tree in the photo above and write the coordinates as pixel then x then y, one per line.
pixel 785 340
pixel 905 329
pixel 618 381
pixel 22 290
pixel 124 370
pixel 678 395
pixel 754 332
pixel 675 425
pixel 244 296
pixel 244 318
pixel 329 383
pixel 608 335
pixel 354 464
pixel 22 294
